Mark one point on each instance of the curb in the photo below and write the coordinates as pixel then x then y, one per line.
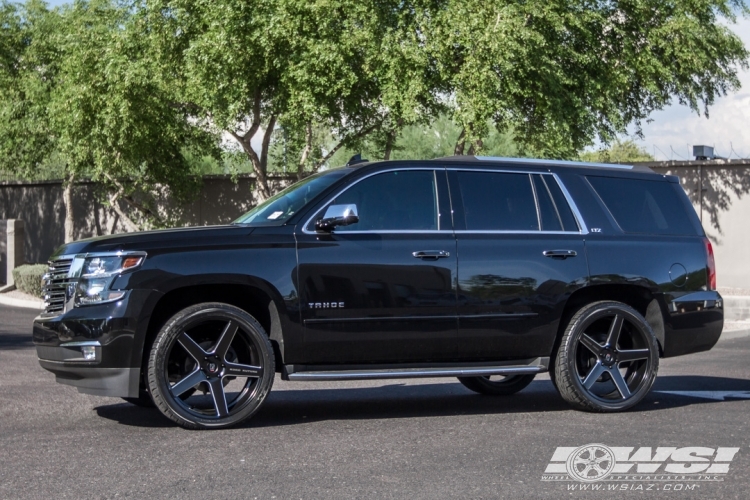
pixel 27 304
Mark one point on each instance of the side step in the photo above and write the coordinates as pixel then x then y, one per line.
pixel 371 372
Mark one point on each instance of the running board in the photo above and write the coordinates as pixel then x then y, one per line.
pixel 372 372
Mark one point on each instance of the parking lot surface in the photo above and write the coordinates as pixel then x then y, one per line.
pixel 423 439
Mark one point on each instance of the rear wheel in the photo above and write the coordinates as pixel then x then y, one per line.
pixel 608 358
pixel 497 385
pixel 211 366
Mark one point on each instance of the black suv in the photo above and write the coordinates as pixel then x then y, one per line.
pixel 487 269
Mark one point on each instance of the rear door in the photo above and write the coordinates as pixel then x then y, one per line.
pixel 521 254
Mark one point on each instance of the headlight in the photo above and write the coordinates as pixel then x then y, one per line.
pixel 97 275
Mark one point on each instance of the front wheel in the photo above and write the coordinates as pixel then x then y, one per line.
pixel 497 385
pixel 608 358
pixel 211 366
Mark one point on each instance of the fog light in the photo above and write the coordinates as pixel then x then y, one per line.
pixel 89 352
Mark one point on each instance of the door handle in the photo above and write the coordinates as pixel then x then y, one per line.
pixel 559 254
pixel 431 254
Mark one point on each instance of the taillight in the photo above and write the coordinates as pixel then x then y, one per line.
pixel 710 264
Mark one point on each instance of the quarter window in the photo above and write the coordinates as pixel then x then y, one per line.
pixel 399 200
pixel 641 206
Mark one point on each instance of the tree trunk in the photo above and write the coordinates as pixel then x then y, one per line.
pixel 389 141
pixel 68 202
pixel 130 226
pixel 305 152
pixel 460 143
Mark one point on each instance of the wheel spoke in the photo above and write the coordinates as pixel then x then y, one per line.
pixel 222 346
pixel 591 344
pixel 220 398
pixel 632 355
pixel 187 383
pixel 614 331
pixel 196 351
pixel 593 375
pixel 237 370
pixel 620 383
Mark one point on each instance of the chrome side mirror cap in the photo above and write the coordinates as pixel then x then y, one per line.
pixel 337 215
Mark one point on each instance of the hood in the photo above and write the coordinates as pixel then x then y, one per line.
pixel 186 237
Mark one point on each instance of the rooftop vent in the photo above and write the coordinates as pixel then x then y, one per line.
pixel 703 152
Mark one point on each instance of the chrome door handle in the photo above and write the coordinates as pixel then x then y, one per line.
pixel 559 254
pixel 431 254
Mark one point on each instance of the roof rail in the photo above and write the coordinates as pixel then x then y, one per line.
pixel 534 161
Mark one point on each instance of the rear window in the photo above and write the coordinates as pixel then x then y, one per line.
pixel 641 206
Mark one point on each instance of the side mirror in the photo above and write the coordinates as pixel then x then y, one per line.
pixel 337 215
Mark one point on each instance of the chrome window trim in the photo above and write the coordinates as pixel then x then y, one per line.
pixel 507 231
pixel 576 213
pixel 534 161
pixel 381 231
pixel 582 228
pixel 536 203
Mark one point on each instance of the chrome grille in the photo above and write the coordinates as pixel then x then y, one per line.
pixel 55 285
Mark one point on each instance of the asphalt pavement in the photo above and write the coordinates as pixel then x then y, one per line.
pixel 422 439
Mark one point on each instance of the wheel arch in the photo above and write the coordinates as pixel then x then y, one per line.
pixel 638 297
pixel 258 299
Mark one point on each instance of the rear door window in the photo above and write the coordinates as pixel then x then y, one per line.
pixel 498 201
pixel 642 206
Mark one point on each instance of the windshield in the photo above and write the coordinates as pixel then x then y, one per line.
pixel 277 209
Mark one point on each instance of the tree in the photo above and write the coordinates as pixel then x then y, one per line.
pixel 350 67
pixel 561 73
pixel 78 84
pixel 619 152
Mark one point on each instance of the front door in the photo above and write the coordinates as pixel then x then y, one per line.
pixel 521 255
pixel 381 290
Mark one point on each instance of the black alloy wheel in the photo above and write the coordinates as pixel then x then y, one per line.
pixel 608 358
pixel 211 366
pixel 497 385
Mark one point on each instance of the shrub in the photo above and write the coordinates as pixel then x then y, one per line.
pixel 28 278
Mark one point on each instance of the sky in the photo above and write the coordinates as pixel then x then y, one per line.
pixel 673 131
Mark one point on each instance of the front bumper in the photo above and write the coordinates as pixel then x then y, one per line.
pixel 111 330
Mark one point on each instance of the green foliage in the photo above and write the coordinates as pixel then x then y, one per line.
pixel 28 278
pixel 135 94
pixel 620 152
pixel 80 91
pixel 561 73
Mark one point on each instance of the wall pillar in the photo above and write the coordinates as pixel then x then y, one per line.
pixel 14 255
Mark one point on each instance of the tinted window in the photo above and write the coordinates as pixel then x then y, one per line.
pixel 498 201
pixel 551 220
pixel 641 206
pixel 277 209
pixel 553 207
pixel 401 200
pixel 561 204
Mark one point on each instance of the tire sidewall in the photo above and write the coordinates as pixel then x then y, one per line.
pixel 164 342
pixel 577 327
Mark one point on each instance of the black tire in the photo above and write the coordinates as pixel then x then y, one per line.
pixel 608 358
pixel 209 347
pixel 505 386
